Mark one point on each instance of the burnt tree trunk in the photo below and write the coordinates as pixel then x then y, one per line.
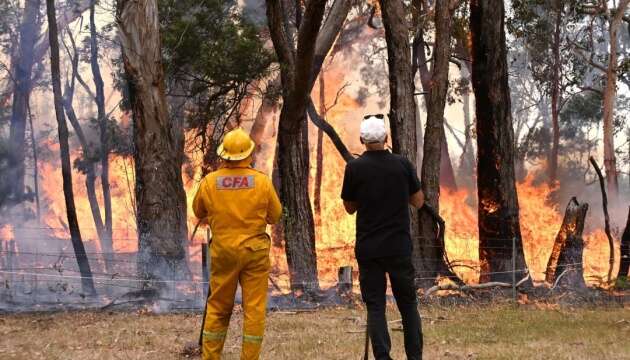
pixel 430 251
pixel 299 68
pixel 496 190
pixel 611 245
pixel 64 149
pixel 564 267
pixel 22 73
pixel 106 241
pixel 159 152
pixel 402 113
pixel 624 252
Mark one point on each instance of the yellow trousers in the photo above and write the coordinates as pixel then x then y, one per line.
pixel 248 266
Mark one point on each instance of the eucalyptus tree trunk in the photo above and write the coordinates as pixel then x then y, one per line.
pixel 64 149
pixel 22 73
pixel 159 152
pixel 498 201
pixel 610 95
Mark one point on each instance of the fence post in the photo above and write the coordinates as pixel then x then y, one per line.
pixel 514 268
pixel 11 263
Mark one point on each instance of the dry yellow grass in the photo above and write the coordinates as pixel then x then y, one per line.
pixel 497 332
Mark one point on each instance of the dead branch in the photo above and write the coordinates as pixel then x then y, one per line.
pixel 611 259
pixel 491 284
pixel 329 130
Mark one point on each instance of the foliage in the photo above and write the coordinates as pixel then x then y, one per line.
pixel 212 54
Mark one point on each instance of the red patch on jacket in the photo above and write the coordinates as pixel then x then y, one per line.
pixel 235 182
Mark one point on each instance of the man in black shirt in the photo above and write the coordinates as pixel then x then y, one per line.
pixel 379 186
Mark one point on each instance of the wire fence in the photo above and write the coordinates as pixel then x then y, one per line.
pixel 30 277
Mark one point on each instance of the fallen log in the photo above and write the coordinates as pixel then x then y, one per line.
pixel 487 285
pixel 624 254
pixel 564 267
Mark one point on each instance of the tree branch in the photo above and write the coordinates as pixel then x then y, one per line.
pixel 329 130
pixel 328 34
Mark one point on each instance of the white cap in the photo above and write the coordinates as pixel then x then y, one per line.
pixel 373 130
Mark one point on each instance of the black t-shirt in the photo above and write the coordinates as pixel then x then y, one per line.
pixel 381 184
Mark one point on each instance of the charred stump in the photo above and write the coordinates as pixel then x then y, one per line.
pixel 565 268
pixel 624 254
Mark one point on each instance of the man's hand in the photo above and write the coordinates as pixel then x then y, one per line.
pixel 351 206
pixel 417 200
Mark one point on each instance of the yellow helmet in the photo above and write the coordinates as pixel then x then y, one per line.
pixel 237 145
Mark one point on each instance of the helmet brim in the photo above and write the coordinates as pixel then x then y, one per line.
pixel 223 154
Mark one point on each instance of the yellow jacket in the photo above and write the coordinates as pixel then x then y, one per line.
pixel 238 203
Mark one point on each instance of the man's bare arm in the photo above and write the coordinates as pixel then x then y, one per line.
pixel 351 206
pixel 417 200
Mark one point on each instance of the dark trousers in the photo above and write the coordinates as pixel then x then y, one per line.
pixel 373 286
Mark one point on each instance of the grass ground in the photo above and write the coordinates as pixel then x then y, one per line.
pixel 489 332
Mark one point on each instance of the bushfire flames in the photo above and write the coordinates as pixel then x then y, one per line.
pixel 540 221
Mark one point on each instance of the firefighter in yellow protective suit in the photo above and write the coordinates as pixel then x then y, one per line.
pixel 238 202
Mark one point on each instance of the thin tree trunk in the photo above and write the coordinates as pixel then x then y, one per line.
pixel 90 173
pixel 610 95
pixel 29 30
pixel 66 168
pixel 611 246
pixel 88 164
pixel 159 147
pixel 555 98
pixel 564 267
pixel 319 169
pixel 467 159
pixel 106 241
pixel 430 251
pixel 35 163
pixel 498 201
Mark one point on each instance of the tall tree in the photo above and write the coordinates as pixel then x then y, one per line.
pixel 497 198
pixel 544 27
pixel 299 66
pixel 85 164
pixel 159 145
pixel 102 120
pixel 64 149
pixel 402 112
pixel 431 252
pixel 32 48
pixel 610 94
pixel 23 67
